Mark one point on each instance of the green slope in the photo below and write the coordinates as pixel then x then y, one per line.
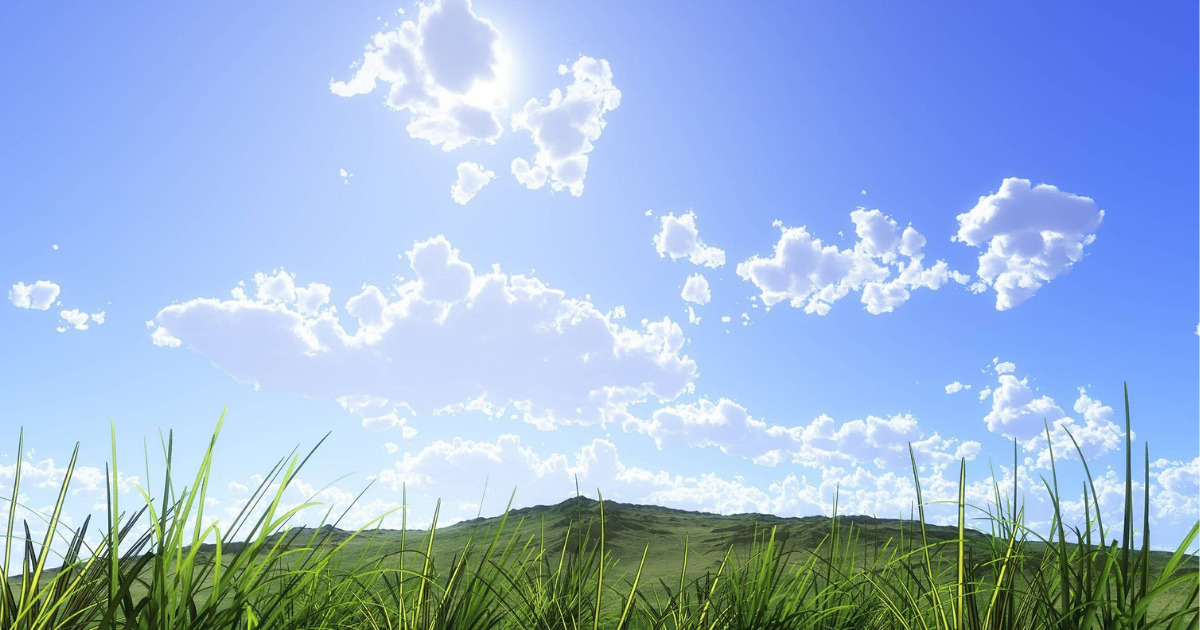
pixel 630 529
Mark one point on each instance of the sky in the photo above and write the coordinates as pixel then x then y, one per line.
pixel 728 257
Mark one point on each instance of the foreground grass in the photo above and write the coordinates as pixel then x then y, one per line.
pixel 587 564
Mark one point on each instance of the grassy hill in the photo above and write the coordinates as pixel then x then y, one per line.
pixel 629 529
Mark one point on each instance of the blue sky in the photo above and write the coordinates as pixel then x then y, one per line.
pixel 1044 158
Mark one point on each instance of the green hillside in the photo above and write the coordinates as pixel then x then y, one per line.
pixel 662 533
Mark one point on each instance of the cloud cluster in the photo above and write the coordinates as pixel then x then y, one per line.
pixel 564 128
pixel 38 296
pixel 449 340
pixel 1032 234
pixel 444 68
pixel 823 443
pixel 44 474
pixel 1017 412
pixel 809 274
pixel 41 295
pixel 678 238
pixel 1177 494
pixel 508 464
pixel 75 319
pixel 472 178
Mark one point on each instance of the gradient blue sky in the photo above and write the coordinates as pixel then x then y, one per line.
pixel 154 155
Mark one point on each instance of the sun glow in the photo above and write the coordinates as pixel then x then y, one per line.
pixel 494 94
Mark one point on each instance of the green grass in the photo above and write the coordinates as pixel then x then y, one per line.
pixel 589 564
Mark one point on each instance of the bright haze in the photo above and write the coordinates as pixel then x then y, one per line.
pixel 721 257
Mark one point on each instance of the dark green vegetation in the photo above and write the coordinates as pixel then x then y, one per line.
pixel 588 564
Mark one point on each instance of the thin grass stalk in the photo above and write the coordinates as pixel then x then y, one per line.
pixel 962 487
pixel 1067 600
pixel 933 586
pixel 1145 558
pixel 1127 528
pixel 28 590
pixel 8 605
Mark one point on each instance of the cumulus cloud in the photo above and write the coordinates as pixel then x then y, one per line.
pixel 809 274
pixel 328 503
pixel 44 474
pixel 1177 494
pixel 696 290
pixel 38 296
pixel 508 464
pixel 823 443
pixel 449 340
pixel 73 318
pixel 472 178
pixel 679 238
pixel 1032 234
pixel 955 387
pixel 564 128
pixel 1017 412
pixel 42 294
pixel 445 69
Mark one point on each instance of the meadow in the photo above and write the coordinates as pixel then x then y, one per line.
pixel 590 564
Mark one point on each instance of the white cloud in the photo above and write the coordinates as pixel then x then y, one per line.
pixel 472 178
pixel 1018 413
pixel 345 175
pixel 1177 495
pixel 528 176
pixel 696 290
pixel 679 238
pixel 564 128
pixel 1003 367
pixel 507 463
pixel 74 318
pixel 391 447
pixel 955 387
pixel 378 413
pixel 449 340
pixel 98 318
pixel 823 444
pixel 39 296
pixel 44 474
pixel 811 275
pixel 446 69
pixel 1033 234
pixel 332 503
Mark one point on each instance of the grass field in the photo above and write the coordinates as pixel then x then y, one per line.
pixel 592 564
